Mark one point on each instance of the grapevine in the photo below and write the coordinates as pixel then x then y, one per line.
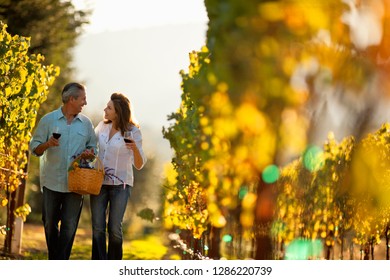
pixel 24 85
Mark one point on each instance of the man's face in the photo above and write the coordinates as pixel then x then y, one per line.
pixel 79 103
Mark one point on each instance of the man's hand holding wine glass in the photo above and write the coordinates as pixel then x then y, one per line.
pixel 54 140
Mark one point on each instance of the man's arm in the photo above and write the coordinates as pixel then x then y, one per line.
pixel 41 148
pixel 40 141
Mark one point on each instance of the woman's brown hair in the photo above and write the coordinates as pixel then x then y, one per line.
pixel 123 109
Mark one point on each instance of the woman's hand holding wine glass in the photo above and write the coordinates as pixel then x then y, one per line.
pixel 129 140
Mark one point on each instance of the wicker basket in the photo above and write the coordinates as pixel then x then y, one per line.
pixel 86 180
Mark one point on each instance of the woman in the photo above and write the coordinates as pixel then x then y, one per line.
pixel 118 158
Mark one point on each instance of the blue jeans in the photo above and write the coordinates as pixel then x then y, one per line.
pixel 65 208
pixel 111 201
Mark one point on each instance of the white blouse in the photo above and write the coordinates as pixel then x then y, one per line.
pixel 117 160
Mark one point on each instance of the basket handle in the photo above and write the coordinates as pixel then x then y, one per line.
pixel 98 166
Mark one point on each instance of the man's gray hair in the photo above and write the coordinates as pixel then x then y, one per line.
pixel 72 89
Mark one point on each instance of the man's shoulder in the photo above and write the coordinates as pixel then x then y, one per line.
pixel 50 115
pixel 84 118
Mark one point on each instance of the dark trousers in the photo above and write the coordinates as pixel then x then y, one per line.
pixel 60 216
pixel 112 200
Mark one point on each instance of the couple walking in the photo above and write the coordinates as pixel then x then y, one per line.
pixel 61 209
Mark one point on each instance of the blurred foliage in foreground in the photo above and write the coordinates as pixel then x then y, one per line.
pixel 246 178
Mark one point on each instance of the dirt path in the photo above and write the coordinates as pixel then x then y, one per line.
pixel 145 248
pixel 33 239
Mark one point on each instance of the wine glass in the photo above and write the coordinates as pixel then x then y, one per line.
pixel 56 132
pixel 128 137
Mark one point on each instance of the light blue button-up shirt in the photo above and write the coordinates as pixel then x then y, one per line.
pixel 75 138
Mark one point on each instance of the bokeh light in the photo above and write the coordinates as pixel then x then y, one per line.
pixel 227 238
pixel 304 249
pixel 313 158
pixel 242 192
pixel 270 174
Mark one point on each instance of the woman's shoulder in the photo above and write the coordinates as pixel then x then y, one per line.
pixel 135 128
pixel 102 126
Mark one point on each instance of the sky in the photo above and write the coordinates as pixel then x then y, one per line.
pixel 138 48
pixel 111 15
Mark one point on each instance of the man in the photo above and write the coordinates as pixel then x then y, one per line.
pixel 61 209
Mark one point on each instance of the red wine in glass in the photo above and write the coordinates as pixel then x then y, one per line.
pixel 128 137
pixel 56 135
pixel 56 132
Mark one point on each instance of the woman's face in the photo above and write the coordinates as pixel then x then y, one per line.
pixel 109 112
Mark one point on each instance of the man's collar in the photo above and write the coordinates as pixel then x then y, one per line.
pixel 60 114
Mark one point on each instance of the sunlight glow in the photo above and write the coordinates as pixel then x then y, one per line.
pixel 117 15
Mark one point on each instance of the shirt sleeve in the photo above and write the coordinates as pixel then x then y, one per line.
pixel 98 128
pixel 92 141
pixel 40 135
pixel 138 141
